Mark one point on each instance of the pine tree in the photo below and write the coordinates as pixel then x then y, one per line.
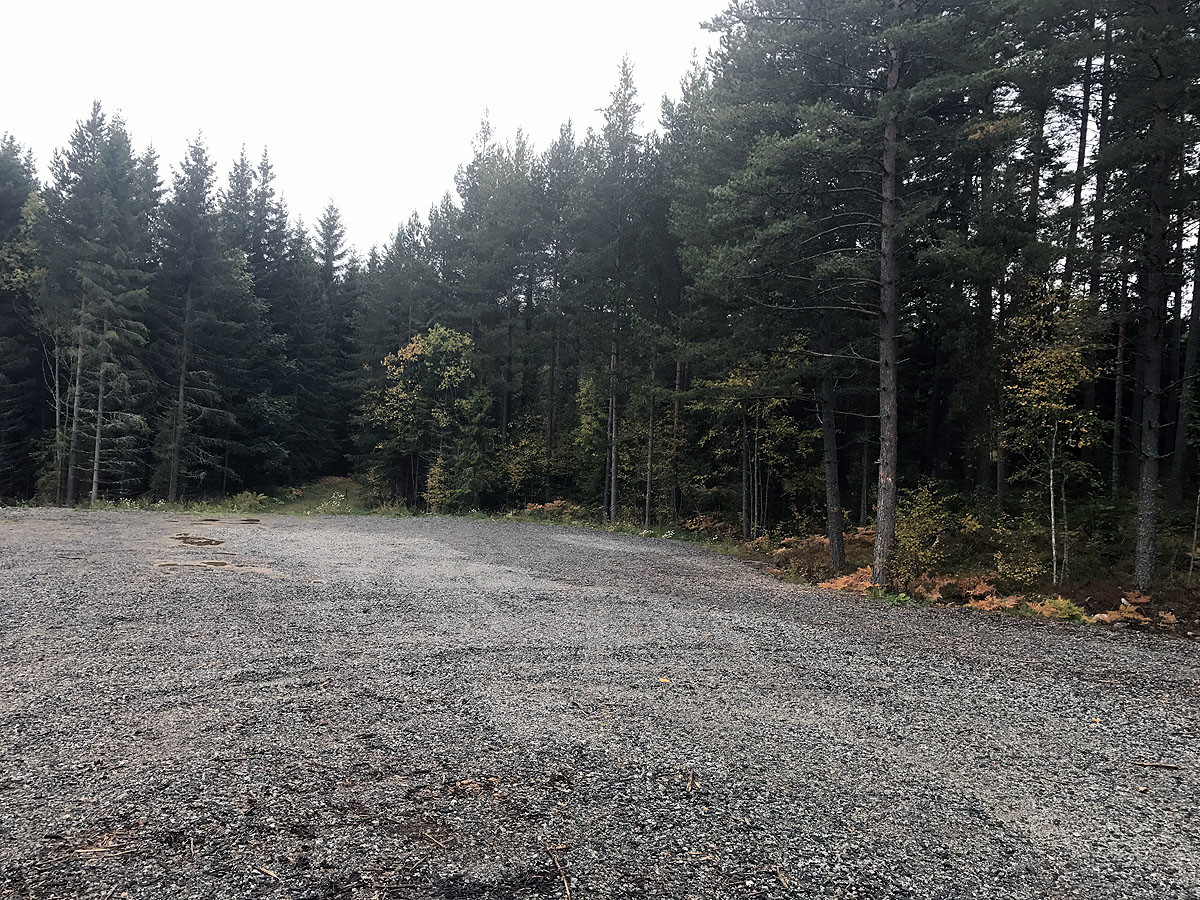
pixel 20 283
pixel 204 314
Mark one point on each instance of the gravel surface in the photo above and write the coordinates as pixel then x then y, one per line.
pixel 366 707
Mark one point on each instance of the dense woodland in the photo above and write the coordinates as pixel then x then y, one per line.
pixel 926 269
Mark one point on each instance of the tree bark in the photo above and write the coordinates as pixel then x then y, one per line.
pixel 76 411
pixel 506 398
pixel 99 441
pixel 1096 255
pixel 677 439
pixel 1187 394
pixel 885 515
pixel 180 399
pixel 864 497
pixel 1053 523
pixel 1119 388
pixel 1154 301
pixel 834 523
pixel 60 424
pixel 650 455
pixel 1080 170
pixel 612 427
pixel 1037 150
pixel 552 408
pixel 745 475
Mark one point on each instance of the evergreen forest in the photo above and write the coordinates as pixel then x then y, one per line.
pixel 908 288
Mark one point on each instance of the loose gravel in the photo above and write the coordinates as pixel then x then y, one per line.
pixel 343 707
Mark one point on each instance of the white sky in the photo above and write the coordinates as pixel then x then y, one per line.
pixel 372 104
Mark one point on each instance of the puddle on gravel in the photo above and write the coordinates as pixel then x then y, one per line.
pixel 211 564
pixel 247 521
pixel 194 541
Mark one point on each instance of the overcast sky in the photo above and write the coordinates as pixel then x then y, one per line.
pixel 372 104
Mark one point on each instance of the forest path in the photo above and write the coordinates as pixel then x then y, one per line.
pixel 367 707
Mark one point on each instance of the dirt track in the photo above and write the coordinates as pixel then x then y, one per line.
pixel 362 707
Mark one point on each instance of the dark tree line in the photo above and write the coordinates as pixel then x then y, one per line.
pixel 877 246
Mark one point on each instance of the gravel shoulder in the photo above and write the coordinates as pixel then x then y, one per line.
pixel 344 707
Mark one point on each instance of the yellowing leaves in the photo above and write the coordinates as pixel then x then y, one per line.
pixel 992 603
pixel 1057 608
pixel 1130 610
pixel 1126 613
pixel 858 581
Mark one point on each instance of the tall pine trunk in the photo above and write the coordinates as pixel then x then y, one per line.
pixel 180 399
pixel 76 413
pixel 552 407
pixel 1119 386
pixel 1155 292
pixel 650 458
pixel 677 439
pixel 745 474
pixel 1080 170
pixel 60 422
pixel 1096 255
pixel 864 491
pixel 98 445
pixel 1037 152
pixel 885 515
pixel 612 426
pixel 834 524
pixel 1187 394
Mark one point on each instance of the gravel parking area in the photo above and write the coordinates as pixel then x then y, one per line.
pixel 344 707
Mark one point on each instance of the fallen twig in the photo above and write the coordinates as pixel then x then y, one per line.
pixel 432 838
pixel 269 872
pixel 1160 765
pixel 561 873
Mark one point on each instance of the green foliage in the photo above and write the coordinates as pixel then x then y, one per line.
pixel 877 592
pixel 431 422
pixel 922 543
pixel 249 501
pixel 668 327
pixel 1053 607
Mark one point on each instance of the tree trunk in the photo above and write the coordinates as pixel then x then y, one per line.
pixel 1053 523
pixel 864 496
pixel 1080 171
pixel 506 399
pixel 551 408
pixel 1119 389
pixel 834 524
pixel 76 412
pixel 1154 301
pixel 677 440
pixel 180 399
pixel 745 475
pixel 1037 150
pixel 885 515
pixel 60 423
pixel 612 427
pixel 99 442
pixel 1187 394
pixel 1098 200
pixel 650 455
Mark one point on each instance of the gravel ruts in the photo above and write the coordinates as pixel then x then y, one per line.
pixel 367 707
